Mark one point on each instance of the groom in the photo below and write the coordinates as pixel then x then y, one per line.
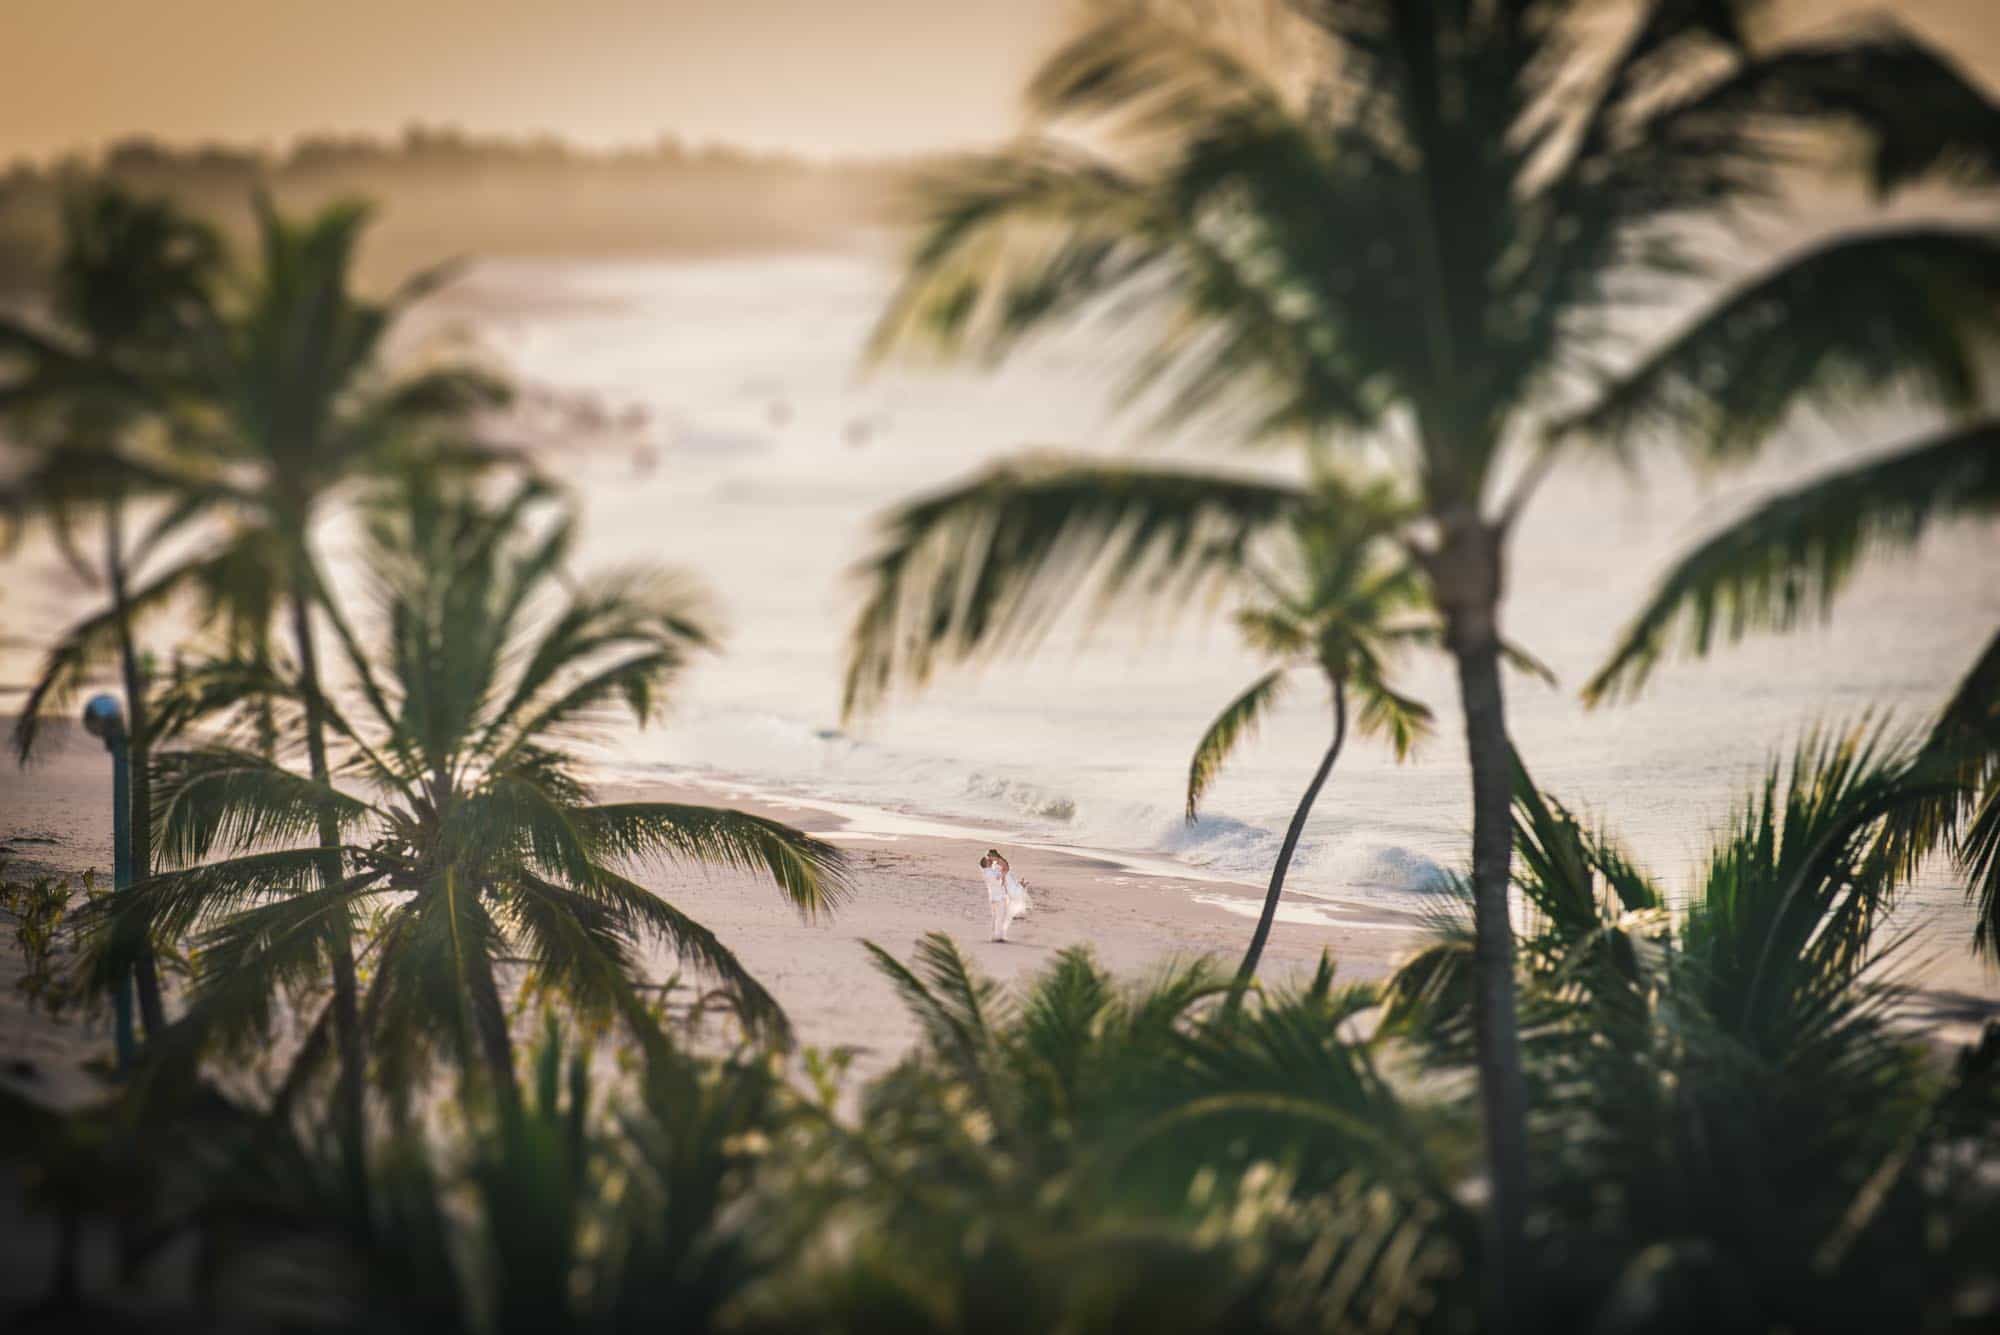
pixel 993 868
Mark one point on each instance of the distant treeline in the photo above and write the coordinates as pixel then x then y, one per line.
pixel 444 192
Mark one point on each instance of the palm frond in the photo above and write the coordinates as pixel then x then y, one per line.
pixel 577 946
pixel 986 567
pixel 210 797
pixel 1786 338
pixel 1789 558
pixel 1518 658
pixel 1430 989
pixel 1963 748
pixel 621 639
pixel 812 874
pixel 1388 713
pixel 448 949
pixel 616 900
pixel 1916 113
pixel 87 647
pixel 170 905
pixel 1237 722
pixel 1562 864
pixel 524 814
pixel 1794 891
pixel 1978 854
pixel 1062 1020
pixel 254 957
pixel 958 1009
pixel 1154 70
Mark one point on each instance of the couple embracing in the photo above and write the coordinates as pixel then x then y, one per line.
pixel 1006 896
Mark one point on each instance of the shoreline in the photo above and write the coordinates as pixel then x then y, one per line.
pixel 907 884
pixel 911 875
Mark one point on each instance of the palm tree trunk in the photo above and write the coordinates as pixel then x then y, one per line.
pixel 489 1020
pixel 346 1012
pixel 1248 969
pixel 146 973
pixel 1467 572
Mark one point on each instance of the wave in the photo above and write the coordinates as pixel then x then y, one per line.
pixel 783 753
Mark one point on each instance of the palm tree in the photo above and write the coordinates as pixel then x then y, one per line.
pixel 470 833
pixel 132 276
pixel 1415 226
pixel 1788 560
pixel 1728 1072
pixel 1341 604
pixel 290 404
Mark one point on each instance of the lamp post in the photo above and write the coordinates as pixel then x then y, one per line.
pixel 104 720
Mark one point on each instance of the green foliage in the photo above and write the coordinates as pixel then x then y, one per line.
pixel 79 393
pixel 1788 560
pixel 475 861
pixel 1084 1153
pixel 989 565
pixel 1424 230
pixel 1785 562
pixel 1724 1097
pixel 1319 212
pixel 1727 1134
pixel 1237 722
pixel 1725 383
pixel 45 931
pixel 1337 597
pixel 1092 1155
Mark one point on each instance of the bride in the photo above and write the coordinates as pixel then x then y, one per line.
pixel 1006 894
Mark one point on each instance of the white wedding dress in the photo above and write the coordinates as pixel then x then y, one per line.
pixel 1017 896
pixel 1007 898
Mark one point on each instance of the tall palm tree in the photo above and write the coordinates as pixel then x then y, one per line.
pixel 468 827
pixel 1342 603
pixel 290 404
pixel 128 286
pixel 1416 226
pixel 1789 559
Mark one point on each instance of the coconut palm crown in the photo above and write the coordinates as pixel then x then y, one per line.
pixel 1344 602
pixel 473 852
pixel 78 395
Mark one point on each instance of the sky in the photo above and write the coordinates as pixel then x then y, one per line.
pixel 826 77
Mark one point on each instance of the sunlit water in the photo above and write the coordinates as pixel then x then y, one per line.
pixel 735 435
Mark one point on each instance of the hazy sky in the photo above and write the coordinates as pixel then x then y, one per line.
pixel 823 76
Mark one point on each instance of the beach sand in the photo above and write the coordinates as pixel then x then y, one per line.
pixel 909 879
pixel 910 884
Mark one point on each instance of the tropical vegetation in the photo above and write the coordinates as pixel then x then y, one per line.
pixel 416 1070
pixel 1424 230
pixel 1788 559
pixel 127 291
pixel 1339 602
pixel 1732 1134
pixel 475 864
pixel 235 410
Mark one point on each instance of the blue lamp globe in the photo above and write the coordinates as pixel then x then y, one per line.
pixel 103 717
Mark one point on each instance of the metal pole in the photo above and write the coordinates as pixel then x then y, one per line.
pixel 103 719
pixel 121 878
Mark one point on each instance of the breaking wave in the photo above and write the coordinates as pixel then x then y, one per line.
pixel 782 754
